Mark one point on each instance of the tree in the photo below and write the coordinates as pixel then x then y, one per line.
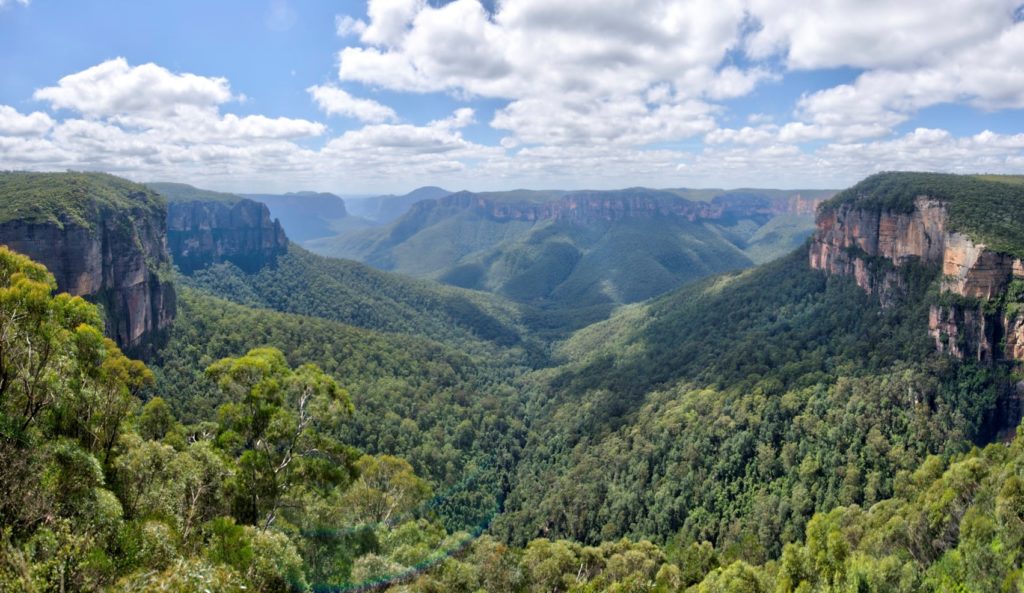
pixel 40 337
pixel 276 419
pixel 386 489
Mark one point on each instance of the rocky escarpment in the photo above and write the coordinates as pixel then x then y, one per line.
pixel 115 257
pixel 586 207
pixel 874 246
pixel 202 233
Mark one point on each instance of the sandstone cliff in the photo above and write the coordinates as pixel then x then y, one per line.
pixel 873 246
pixel 586 207
pixel 113 256
pixel 202 233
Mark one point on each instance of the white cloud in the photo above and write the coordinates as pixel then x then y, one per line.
pixel 566 67
pixel 334 100
pixel 4 3
pixel 346 26
pixel 389 20
pixel 148 122
pixel 13 123
pixel 989 75
pixel 114 87
pixel 601 93
pixel 579 120
pixel 872 33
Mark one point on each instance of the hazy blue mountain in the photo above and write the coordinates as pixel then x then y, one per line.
pixel 385 209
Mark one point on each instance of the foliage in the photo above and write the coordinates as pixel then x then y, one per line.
pixel 560 264
pixel 358 295
pixel 735 428
pixel 454 418
pixel 77 198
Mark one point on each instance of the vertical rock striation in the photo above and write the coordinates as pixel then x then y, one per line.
pixel 203 233
pixel 872 245
pixel 117 259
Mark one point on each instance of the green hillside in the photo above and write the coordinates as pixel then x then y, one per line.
pixel 349 292
pixel 734 408
pixel 551 263
pixel 75 197
pixel 447 413
pixel 780 235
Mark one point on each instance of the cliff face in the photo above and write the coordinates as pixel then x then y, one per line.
pixel 873 245
pixel 588 207
pixel 203 233
pixel 114 261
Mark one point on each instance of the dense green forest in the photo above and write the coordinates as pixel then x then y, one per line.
pixel 102 492
pixel 667 421
pixel 614 257
pixel 345 291
pixel 322 426
pixel 70 197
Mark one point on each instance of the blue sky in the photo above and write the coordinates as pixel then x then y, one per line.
pixel 387 95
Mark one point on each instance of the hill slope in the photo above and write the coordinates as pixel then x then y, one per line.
pixel 732 409
pixel 579 248
pixel 353 293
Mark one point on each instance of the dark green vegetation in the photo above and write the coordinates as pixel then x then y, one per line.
pixel 69 197
pixel 100 493
pixel 597 264
pixel 320 425
pixel 451 415
pixel 237 499
pixel 987 208
pixel 181 192
pixel 671 421
pixel 345 291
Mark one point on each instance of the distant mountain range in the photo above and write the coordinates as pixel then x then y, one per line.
pixel 386 209
pixel 584 247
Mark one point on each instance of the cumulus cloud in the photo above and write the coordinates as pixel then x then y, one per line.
pixel 334 100
pixel 592 92
pixel 113 87
pixel 988 75
pixel 566 67
pixel 872 33
pixel 13 123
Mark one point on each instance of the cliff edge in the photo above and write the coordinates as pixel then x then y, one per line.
pixel 206 228
pixel 103 238
pixel 966 228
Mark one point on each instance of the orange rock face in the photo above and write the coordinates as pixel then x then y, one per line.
pixel 849 237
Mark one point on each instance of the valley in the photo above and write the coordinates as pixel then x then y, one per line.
pixel 714 431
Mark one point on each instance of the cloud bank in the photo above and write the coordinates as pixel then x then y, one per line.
pixel 593 93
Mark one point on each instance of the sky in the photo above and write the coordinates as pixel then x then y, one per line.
pixel 382 96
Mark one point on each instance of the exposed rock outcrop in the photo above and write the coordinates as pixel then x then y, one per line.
pixel 116 261
pixel 873 245
pixel 585 207
pixel 202 233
